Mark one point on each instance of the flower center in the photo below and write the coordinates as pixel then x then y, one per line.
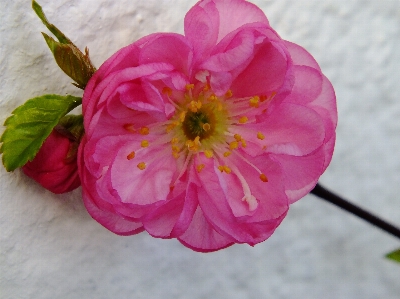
pixel 201 123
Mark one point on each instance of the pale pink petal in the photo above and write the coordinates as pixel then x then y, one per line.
pixel 146 186
pixel 202 237
pixel 237 52
pixel 103 213
pixel 236 13
pixel 169 48
pixel 111 221
pixel 307 86
pixel 300 172
pixel 173 217
pixel 300 56
pixel 219 213
pixel 265 74
pixel 291 129
pixel 201 28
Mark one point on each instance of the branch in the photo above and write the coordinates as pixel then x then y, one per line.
pixel 349 207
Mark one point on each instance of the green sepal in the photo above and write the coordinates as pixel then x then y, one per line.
pixel 72 61
pixel 69 58
pixel 71 126
pixel 30 124
pixel 394 255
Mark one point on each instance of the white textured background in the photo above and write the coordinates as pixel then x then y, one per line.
pixel 51 248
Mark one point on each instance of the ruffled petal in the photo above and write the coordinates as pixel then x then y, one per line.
pixel 265 74
pixel 300 56
pixel 301 173
pixel 290 129
pixel 147 186
pixel 202 237
pixel 103 213
pixel 271 206
pixel 172 218
pixel 201 28
pixel 243 13
pixel 169 48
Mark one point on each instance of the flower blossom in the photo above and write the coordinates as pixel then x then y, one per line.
pixel 53 167
pixel 206 137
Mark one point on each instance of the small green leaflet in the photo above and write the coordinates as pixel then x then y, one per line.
pixel 30 124
pixel 394 256
pixel 68 57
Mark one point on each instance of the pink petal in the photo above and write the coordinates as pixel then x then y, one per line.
pixel 265 74
pixel 237 52
pixel 236 13
pixel 300 56
pixel 172 218
pixel 169 48
pixel 201 28
pixel 292 129
pixel 109 220
pixel 301 172
pixel 219 213
pixel 103 213
pixel 307 86
pixel 143 187
pixel 202 237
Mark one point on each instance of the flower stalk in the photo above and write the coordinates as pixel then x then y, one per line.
pixel 327 195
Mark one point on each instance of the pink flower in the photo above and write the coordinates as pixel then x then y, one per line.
pixel 206 137
pixel 52 167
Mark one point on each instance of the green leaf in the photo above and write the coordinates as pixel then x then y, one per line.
pixel 30 124
pixel 69 58
pixel 394 256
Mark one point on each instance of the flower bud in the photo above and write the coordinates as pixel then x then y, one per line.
pixel 55 165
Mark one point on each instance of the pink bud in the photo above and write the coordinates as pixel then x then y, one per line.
pixel 54 167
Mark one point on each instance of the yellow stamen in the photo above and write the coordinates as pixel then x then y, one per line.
pixel 229 94
pixel 244 144
pixel 189 86
pixel 206 87
pixel 206 127
pixel 219 106
pixel 172 126
pixel 227 154
pixel 227 169
pixel 212 98
pixel 182 116
pixel 263 178
pixel 129 128
pixel 131 156
pixel 174 140
pixel 193 145
pixel 144 131
pixel 200 167
pixel 144 143
pixel 209 154
pixel 194 106
pixel 260 136
pixel 254 101
pixel 237 137
pixel 221 168
pixel 141 165
pixel 175 154
pixel 243 120
pixel 233 145
pixel 175 149
pixel 167 91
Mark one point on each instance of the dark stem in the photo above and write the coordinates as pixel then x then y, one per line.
pixel 344 204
